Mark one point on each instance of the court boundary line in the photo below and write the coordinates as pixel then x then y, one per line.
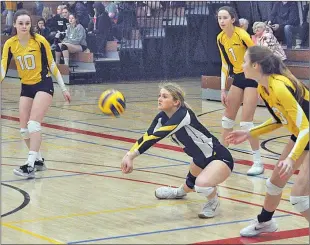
pixel 114 137
pixel 266 237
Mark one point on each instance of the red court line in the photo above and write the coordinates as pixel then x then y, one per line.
pixel 280 235
pixel 158 184
pixel 250 163
pixel 235 240
pixel 125 139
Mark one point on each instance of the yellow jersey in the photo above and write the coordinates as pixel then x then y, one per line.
pixel 286 111
pixel 232 51
pixel 34 62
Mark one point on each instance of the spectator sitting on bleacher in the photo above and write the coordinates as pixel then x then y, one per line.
pixel 264 37
pixel 57 25
pixel 284 18
pixel 65 14
pixel 57 22
pixel 41 29
pixel 74 41
pixel 304 29
pixel 244 24
pixel 100 31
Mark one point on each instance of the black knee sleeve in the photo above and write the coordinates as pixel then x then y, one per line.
pixel 190 180
pixel 63 47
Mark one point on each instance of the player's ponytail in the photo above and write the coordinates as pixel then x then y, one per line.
pixel 272 64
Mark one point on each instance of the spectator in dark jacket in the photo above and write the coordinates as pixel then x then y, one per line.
pixel 41 28
pixel 82 14
pixel 284 17
pixel 101 29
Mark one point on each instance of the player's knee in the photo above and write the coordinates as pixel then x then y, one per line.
pixel 204 191
pixel 24 133
pixel 272 189
pixel 246 125
pixel 63 47
pixel 300 203
pixel 33 126
pixel 227 123
pixel 190 180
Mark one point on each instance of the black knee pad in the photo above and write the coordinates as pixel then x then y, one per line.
pixel 190 180
pixel 58 48
pixel 63 47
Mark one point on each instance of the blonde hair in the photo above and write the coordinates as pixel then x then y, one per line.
pixel 258 25
pixel 176 91
pixel 47 13
pixel 243 21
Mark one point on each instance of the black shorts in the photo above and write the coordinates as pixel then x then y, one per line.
pixel 45 85
pixel 83 47
pixel 219 153
pixel 241 82
pixel 294 138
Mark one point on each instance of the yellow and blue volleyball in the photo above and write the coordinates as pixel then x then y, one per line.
pixel 112 102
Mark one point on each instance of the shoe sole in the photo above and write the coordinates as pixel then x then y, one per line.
pixel 258 233
pixel 250 174
pixel 19 174
pixel 202 216
pixel 40 168
pixel 168 198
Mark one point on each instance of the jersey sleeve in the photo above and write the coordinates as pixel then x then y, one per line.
pixel 157 131
pixel 225 64
pixel 247 40
pixel 5 60
pixel 266 127
pixel 52 65
pixel 298 116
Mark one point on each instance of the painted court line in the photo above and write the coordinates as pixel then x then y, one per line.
pixel 105 136
pixel 160 184
pixel 165 231
pixel 41 237
pixel 280 235
pixel 119 138
pixel 125 149
pixel 106 211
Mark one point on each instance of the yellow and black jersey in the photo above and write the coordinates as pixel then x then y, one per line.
pixel 286 111
pixel 232 51
pixel 184 129
pixel 34 61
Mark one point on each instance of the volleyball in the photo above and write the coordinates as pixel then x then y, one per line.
pixel 112 102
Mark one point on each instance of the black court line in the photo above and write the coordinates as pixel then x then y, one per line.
pixel 20 207
pixel 263 144
pixel 208 112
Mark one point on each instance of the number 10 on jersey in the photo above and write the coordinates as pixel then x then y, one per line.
pixel 26 62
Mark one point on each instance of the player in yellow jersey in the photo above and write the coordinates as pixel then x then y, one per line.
pixel 35 64
pixel 233 41
pixel 287 99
